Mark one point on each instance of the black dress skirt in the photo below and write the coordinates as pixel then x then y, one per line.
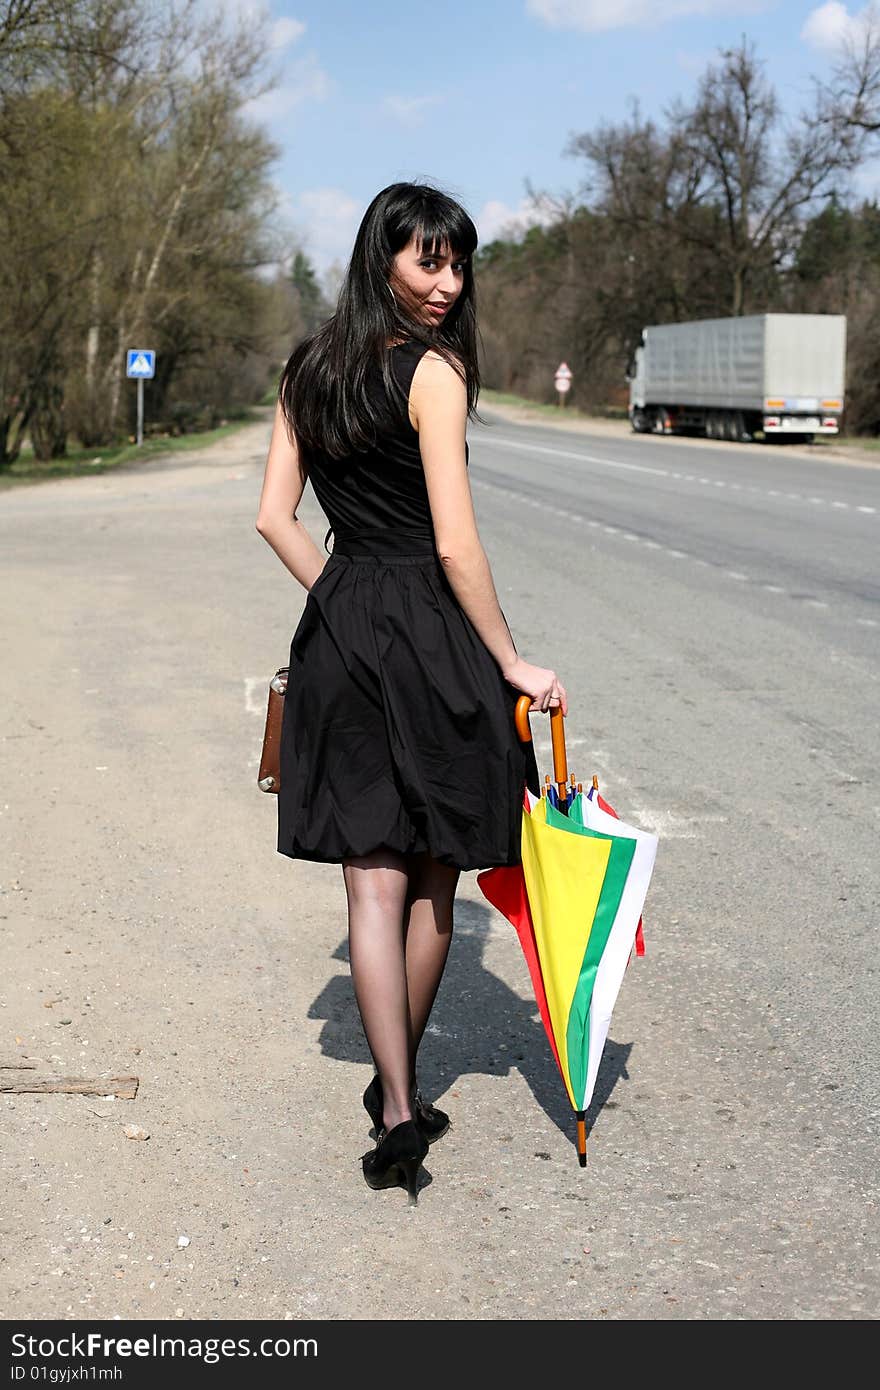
pixel 398 728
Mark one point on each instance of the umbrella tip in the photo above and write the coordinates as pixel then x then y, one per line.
pixel 582 1160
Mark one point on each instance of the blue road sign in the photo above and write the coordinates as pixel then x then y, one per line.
pixel 140 362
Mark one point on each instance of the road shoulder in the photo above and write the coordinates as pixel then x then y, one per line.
pixel 599 426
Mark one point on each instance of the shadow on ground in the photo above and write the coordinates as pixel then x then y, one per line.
pixel 478 1026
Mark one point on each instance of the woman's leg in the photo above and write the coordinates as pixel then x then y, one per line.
pixel 376 886
pixel 428 933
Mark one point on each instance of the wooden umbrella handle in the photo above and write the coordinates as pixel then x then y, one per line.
pixel 557 735
pixel 521 719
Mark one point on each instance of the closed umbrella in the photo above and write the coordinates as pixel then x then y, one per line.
pixel 575 902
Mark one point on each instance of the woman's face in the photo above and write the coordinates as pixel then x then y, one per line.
pixel 429 284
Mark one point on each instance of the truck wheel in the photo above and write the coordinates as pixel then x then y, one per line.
pixel 711 425
pixel 640 421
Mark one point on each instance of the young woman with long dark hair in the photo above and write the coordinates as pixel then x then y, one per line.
pixel 399 756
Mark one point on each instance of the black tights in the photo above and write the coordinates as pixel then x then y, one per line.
pixel 399 931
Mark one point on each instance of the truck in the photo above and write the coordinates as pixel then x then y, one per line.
pixel 761 376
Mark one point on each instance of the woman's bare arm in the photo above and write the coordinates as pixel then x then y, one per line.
pixel 439 404
pixel 283 485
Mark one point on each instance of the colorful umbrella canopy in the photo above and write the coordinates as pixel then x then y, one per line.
pixel 575 902
pixel 624 930
pixel 604 805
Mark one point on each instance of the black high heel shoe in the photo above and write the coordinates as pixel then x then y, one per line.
pixel 432 1122
pixel 397 1159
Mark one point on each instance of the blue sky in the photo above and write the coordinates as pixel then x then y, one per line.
pixel 480 97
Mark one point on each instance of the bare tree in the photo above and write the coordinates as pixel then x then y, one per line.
pixel 727 175
pixel 759 172
pixel 852 97
pixel 133 186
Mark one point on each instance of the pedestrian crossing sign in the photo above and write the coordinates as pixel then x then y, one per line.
pixel 140 362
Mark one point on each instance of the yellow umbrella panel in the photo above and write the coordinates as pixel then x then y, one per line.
pixel 574 879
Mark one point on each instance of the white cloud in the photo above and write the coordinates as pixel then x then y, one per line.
pixel 304 80
pixel 238 11
pixel 408 111
pixel 250 13
pixel 327 220
pixel 284 32
pixel 832 26
pixel 593 16
pixel 496 218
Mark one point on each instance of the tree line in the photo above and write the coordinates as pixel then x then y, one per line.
pixel 137 210
pixel 724 207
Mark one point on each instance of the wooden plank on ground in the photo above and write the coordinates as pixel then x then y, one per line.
pixel 123 1087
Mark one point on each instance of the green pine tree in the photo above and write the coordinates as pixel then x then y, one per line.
pixel 313 305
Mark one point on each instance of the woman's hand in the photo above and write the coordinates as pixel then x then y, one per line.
pixel 544 687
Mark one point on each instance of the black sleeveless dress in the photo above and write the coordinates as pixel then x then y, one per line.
pixel 398 727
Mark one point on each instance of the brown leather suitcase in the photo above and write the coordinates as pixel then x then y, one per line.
pixel 269 775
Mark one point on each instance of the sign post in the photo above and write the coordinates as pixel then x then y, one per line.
pixel 562 381
pixel 140 363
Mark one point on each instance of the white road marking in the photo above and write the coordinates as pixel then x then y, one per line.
pixel 578 520
pixel 505 443
pixel 256 694
pixel 667 824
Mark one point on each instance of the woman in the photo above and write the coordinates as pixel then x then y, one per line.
pixel 399 757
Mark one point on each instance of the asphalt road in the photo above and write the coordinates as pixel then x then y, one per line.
pixel 713 611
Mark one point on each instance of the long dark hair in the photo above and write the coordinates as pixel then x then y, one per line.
pixel 323 386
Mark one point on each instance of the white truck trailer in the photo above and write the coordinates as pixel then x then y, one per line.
pixel 759 376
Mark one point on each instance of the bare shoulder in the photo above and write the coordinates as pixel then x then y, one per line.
pixel 436 373
pixel 438 397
